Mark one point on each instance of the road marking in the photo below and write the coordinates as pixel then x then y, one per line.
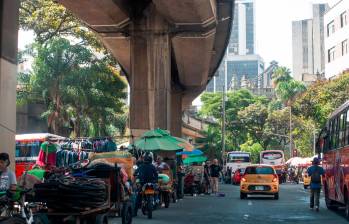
pixel 249 203
pixel 246 216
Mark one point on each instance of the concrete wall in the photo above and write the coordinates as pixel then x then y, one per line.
pixel 8 72
pixel 28 119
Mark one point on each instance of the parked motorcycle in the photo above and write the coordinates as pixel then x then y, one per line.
pixel 13 207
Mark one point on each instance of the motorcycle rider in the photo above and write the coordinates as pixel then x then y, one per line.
pixel 146 173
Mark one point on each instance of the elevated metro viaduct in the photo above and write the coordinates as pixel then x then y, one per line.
pixel 168 49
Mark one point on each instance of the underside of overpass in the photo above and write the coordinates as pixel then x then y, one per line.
pixel 168 49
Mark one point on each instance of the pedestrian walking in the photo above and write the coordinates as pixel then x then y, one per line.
pixel 206 177
pixel 315 172
pixel 215 172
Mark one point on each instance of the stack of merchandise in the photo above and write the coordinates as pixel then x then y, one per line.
pixel 65 192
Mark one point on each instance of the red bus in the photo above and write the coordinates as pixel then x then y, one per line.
pixel 27 150
pixel 333 143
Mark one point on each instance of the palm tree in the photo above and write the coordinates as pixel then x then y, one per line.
pixel 287 89
pixel 281 74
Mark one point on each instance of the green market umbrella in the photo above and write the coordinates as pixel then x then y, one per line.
pixel 194 159
pixel 157 140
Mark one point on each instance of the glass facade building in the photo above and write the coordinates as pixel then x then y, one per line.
pixel 240 60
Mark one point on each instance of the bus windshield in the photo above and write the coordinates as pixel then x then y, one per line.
pixel 239 158
pixel 272 155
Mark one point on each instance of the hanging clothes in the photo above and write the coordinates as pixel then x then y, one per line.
pixel 47 154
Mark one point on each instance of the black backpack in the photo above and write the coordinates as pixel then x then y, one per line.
pixel 315 176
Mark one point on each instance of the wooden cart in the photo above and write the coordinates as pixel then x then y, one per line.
pixel 117 205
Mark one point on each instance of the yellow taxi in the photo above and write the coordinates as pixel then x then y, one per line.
pixel 306 180
pixel 259 179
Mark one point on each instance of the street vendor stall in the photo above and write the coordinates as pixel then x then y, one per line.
pixel 90 193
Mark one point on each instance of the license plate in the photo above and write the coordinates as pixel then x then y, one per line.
pixel 149 192
pixel 259 188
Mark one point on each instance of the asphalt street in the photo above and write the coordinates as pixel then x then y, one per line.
pixel 292 207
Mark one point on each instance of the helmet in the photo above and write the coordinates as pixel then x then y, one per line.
pixel 148 159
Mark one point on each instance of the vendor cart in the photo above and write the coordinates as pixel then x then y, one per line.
pixel 117 203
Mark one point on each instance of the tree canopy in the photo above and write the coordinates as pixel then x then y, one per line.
pixel 78 88
pixel 255 123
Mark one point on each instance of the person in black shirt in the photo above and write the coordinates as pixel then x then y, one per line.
pixel 215 171
pixel 147 172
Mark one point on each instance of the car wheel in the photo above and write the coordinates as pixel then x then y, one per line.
pixel 276 196
pixel 243 195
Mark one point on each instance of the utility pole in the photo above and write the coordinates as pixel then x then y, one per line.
pixel 223 126
pixel 223 114
pixel 291 154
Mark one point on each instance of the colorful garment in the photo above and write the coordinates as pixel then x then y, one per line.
pixel 47 155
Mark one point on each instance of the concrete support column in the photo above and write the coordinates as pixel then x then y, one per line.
pixel 8 72
pixel 176 114
pixel 150 75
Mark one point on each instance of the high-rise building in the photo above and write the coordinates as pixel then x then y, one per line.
pixel 240 60
pixel 243 38
pixel 308 45
pixel 337 39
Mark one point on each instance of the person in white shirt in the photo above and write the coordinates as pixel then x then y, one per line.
pixel 7 176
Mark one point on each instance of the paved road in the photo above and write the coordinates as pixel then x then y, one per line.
pixel 292 207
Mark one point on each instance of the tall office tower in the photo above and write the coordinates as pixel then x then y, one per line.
pixel 240 59
pixel 308 45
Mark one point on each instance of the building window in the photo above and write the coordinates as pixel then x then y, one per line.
pixel 330 28
pixel 344 19
pixel 331 53
pixel 345 47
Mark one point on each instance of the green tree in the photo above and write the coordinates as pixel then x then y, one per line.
pixel 77 87
pixel 322 98
pixel 236 132
pixel 253 118
pixel 281 74
pixel 211 143
pixel 277 128
pixel 288 91
pixel 50 20
pixel 253 148
pixel 304 137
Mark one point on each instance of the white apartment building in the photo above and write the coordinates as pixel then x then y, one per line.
pixel 308 44
pixel 336 24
